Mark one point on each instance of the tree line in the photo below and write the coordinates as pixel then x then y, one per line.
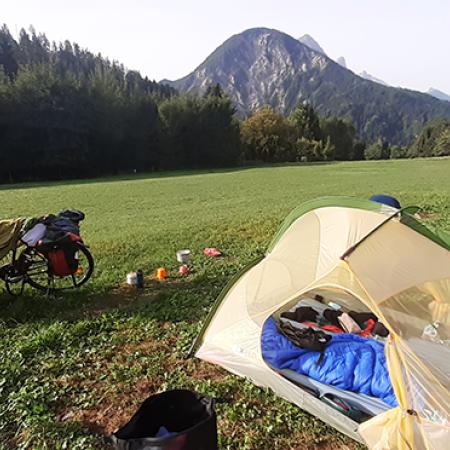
pixel 66 112
pixel 303 136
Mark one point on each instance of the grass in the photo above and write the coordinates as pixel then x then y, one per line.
pixel 75 367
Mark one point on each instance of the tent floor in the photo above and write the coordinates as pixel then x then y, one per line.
pixel 364 403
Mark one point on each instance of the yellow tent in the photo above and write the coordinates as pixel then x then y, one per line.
pixel 370 257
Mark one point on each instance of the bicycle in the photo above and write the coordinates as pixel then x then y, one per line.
pixel 51 266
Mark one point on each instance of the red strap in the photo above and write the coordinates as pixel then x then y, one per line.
pixel 332 328
pixel 369 328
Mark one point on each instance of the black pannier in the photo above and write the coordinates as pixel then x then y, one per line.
pixel 173 420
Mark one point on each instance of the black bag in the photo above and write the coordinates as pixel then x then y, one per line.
pixel 332 316
pixel 75 215
pixel 182 419
pixel 308 338
pixel 362 317
pixel 67 221
pixel 301 314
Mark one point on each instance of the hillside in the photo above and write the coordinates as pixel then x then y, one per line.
pixel 263 66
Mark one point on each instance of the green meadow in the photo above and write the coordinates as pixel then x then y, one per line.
pixel 75 367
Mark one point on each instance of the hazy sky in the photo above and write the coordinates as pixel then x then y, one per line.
pixel 404 42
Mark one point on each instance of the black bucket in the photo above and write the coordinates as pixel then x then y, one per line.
pixel 173 420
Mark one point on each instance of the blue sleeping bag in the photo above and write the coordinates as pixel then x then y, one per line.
pixel 349 362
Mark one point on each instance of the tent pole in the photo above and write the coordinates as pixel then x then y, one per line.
pixel 350 250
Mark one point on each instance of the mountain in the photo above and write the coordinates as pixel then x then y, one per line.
pixel 438 94
pixel 310 42
pixel 267 67
pixel 369 77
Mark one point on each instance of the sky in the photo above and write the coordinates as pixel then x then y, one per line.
pixel 403 42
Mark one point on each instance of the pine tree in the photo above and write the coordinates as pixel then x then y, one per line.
pixel 342 136
pixel 306 122
pixel 8 53
pixel 214 91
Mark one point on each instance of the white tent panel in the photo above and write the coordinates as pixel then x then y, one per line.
pixel 340 228
pixel 396 258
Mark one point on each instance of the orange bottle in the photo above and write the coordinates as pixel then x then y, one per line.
pixel 161 273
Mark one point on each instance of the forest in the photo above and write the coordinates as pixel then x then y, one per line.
pixel 66 112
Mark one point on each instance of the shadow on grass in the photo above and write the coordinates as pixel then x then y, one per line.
pixel 156 175
pixel 176 299
pixel 121 177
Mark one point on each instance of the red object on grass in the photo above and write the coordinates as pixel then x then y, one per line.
pixel 183 270
pixel 211 251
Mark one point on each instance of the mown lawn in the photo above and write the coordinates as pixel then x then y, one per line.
pixel 75 367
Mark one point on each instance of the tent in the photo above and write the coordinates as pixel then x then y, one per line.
pixel 371 257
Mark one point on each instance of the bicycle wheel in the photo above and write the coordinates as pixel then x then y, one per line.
pixel 39 274
pixel 14 282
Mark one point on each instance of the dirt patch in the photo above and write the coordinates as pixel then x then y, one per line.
pixel 116 406
pixel 116 410
pixel 205 371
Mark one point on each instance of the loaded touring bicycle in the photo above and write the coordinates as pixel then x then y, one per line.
pixel 347 316
pixel 47 253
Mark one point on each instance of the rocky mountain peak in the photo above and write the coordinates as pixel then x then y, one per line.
pixel 370 77
pixel 341 61
pixel 308 40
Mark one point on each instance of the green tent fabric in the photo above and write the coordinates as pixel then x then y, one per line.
pixel 438 236
pixel 9 235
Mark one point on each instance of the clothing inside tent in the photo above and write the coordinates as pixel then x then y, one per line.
pixel 363 256
pixel 352 367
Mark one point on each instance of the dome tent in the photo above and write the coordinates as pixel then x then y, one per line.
pixel 372 257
